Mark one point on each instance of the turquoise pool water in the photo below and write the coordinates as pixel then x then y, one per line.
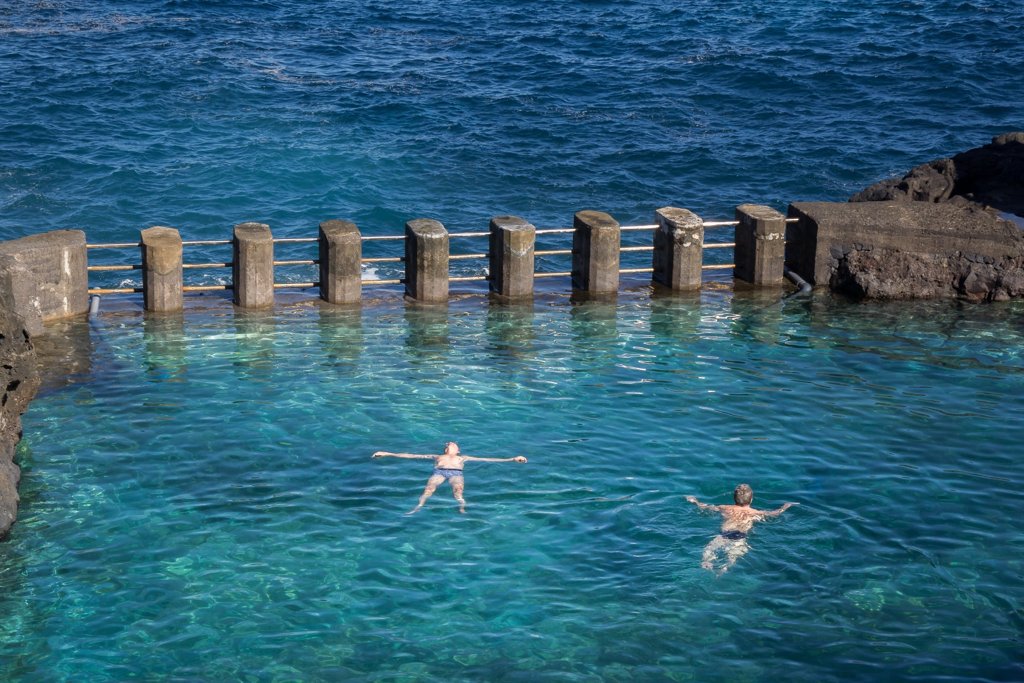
pixel 200 503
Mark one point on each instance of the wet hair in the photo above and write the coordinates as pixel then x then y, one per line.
pixel 450 443
pixel 743 494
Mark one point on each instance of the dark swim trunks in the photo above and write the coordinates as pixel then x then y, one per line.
pixel 734 535
pixel 447 473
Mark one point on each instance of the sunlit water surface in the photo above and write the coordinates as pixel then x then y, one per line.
pixel 200 502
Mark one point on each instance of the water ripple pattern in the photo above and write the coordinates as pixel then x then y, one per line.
pixel 200 115
pixel 200 504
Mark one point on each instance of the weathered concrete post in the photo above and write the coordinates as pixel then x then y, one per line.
pixel 511 257
pixel 341 249
pixel 595 253
pixel 760 245
pixel 426 261
pixel 678 249
pixel 45 276
pixel 252 269
pixel 161 269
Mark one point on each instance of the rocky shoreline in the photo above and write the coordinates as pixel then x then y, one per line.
pixel 991 176
pixel 20 377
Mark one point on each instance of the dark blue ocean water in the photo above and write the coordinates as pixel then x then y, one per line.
pixel 199 115
pixel 199 503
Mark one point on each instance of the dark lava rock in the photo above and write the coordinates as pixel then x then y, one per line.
pixel 19 378
pixel 992 175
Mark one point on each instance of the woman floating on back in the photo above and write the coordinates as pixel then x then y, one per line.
pixel 447 467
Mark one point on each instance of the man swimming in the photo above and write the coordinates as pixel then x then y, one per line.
pixel 737 521
pixel 447 467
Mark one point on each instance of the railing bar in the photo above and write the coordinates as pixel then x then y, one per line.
pixel 458 257
pixel 720 245
pixel 189 243
pixel 469 278
pixel 552 252
pixel 625 228
pixel 553 231
pixel 207 265
pixel 469 234
pixel 636 270
pixel 383 259
pixel 114 245
pixel 720 224
pixel 97 268
pixel 564 274
pixel 294 240
pixel 383 282
pixel 127 290
pixel 383 237
pixel 724 266
pixel 650 248
pixel 312 262
pixel 295 285
pixel 206 288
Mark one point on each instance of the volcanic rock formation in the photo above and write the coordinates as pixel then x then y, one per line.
pixel 19 378
pixel 992 175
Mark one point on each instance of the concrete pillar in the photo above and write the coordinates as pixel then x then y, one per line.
pixel 595 253
pixel 161 269
pixel 511 257
pixel 253 265
pixel 426 261
pixel 760 245
pixel 678 249
pixel 45 276
pixel 341 248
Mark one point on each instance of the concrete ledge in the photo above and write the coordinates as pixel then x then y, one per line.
pixel 45 277
pixel 906 250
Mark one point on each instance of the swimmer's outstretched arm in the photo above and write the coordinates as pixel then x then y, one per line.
pixel 702 506
pixel 413 456
pixel 778 511
pixel 518 458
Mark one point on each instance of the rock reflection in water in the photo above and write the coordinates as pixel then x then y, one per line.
pixel 341 334
pixel 254 337
pixel 166 348
pixel 510 330
pixel 64 354
pixel 428 338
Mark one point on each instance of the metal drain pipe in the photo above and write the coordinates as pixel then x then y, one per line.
pixel 804 285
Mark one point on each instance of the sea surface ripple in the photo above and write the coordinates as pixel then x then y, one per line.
pixel 201 115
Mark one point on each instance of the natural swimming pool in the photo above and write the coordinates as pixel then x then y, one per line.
pixel 199 503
